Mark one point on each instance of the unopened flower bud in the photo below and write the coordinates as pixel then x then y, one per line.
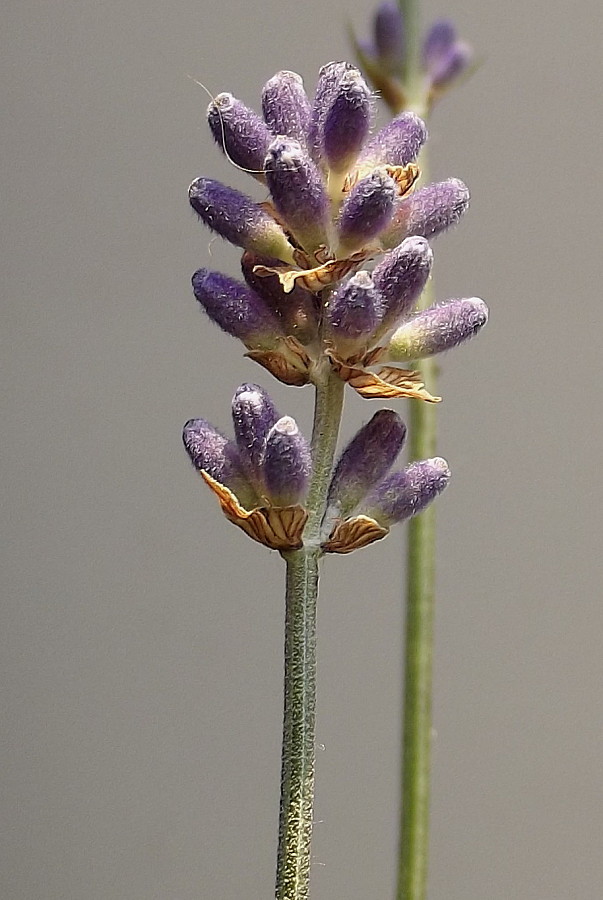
pixel 400 278
pixel 389 35
pixel 352 315
pixel 429 211
pixel 346 122
pixel 453 65
pixel 298 192
pixel 295 310
pixel 365 461
pixel 438 43
pixel 437 329
pixel 242 135
pixel 238 219
pixel 286 106
pixel 366 211
pixel 236 309
pixel 253 415
pixel 328 79
pixel 404 494
pixel 397 143
pixel 209 450
pixel 287 463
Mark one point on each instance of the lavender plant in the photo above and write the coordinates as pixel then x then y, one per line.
pixel 333 267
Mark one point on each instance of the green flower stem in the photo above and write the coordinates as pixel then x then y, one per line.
pixel 298 755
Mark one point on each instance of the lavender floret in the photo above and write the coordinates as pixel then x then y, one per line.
pixel 346 122
pixel 400 278
pixel 286 464
pixel 353 313
pixel 286 106
pixel 429 211
pixel 389 34
pixel 328 80
pixel 438 329
pixel 253 415
pixel 211 451
pixel 406 493
pixel 236 309
pixel 365 461
pixel 366 211
pixel 242 135
pixel 397 143
pixel 438 42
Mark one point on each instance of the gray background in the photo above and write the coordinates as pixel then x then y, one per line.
pixel 141 635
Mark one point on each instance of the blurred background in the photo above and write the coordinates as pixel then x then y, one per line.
pixel 141 633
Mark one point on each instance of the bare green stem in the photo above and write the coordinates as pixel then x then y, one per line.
pixel 298 756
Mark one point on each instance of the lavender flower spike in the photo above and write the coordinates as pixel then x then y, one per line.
pixel 366 211
pixel 242 135
pixel 236 309
pixel 286 106
pixel 253 414
pixel 287 463
pixel 365 461
pixel 346 123
pixel 211 451
pixel 400 278
pixel 389 35
pixel 406 493
pixel 238 219
pixel 298 192
pixel 396 144
pixel 352 315
pixel 428 211
pixel 437 329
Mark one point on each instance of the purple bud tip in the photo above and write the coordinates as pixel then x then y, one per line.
pixel 352 314
pixel 397 143
pixel 428 211
pixel 365 461
pixel 452 65
pixel 328 80
pixel 389 34
pixel 406 493
pixel 241 134
pixel 346 122
pixel 287 463
pixel 208 449
pixel 236 309
pixel 253 414
pixel 400 278
pixel 366 211
pixel 298 191
pixel 438 328
pixel 286 106
pixel 438 42
pixel 238 218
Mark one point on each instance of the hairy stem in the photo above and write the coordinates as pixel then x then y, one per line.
pixel 298 755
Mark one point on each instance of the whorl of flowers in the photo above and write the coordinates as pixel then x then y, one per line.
pixel 339 199
pixel 445 58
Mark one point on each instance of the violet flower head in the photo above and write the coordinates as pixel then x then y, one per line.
pixel 242 135
pixel 286 463
pixel 438 329
pixel 365 461
pixel 404 494
pixel 236 309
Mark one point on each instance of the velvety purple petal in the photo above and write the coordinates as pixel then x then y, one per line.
pixel 253 415
pixel 287 463
pixel 400 277
pixel 208 449
pixel 346 122
pixel 429 211
pixel 396 144
pixel 353 313
pixel 366 211
pixel 438 42
pixel 236 309
pixel 242 135
pixel 438 328
pixel 404 494
pixel 286 106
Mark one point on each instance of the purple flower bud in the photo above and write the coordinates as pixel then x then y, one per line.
pixel 298 192
pixel 210 450
pixel 286 106
pixel 238 219
pixel 429 211
pixel 236 309
pixel 437 329
pixel 346 122
pixel 328 80
pixel 287 463
pixel 365 461
pixel 389 34
pixel 438 43
pixel 406 493
pixel 397 143
pixel 241 134
pixel 452 65
pixel 295 310
pixel 366 211
pixel 400 278
pixel 253 414
pixel 352 315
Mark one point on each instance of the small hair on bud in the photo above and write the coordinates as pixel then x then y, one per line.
pixel 352 315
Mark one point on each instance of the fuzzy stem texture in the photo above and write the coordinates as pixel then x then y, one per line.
pixel 413 850
pixel 298 754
